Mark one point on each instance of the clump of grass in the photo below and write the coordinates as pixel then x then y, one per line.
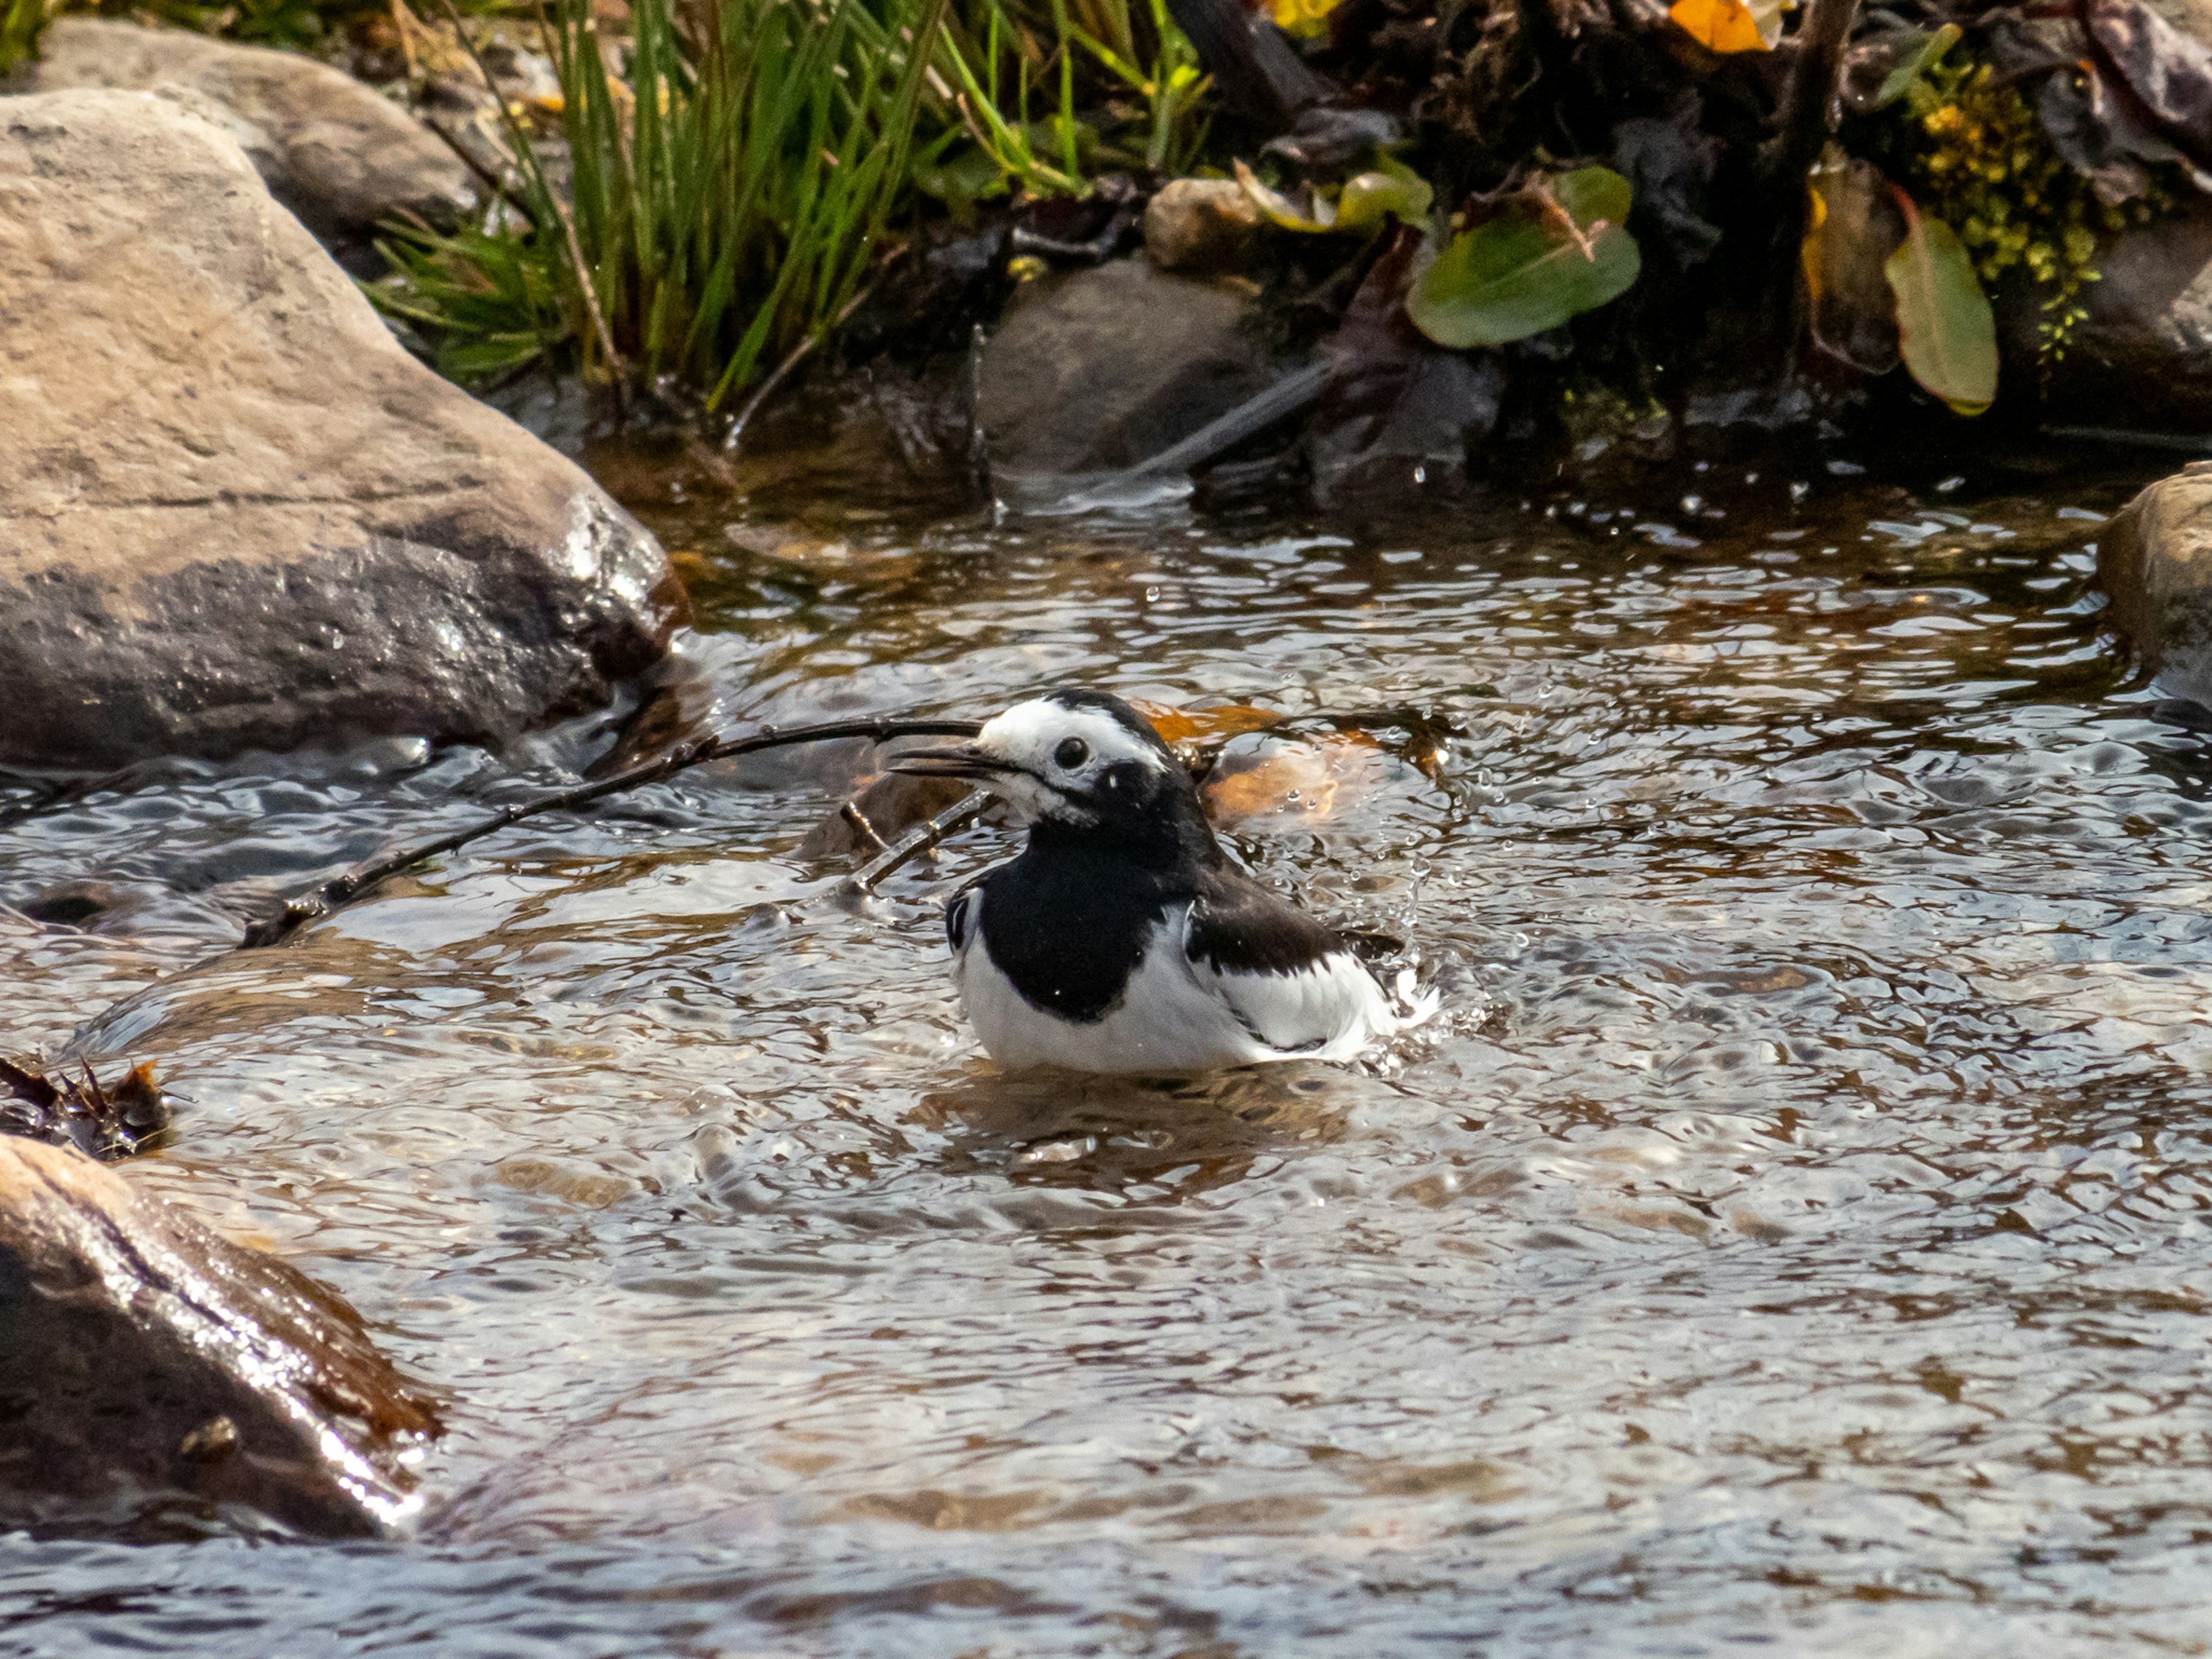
pixel 489 303
pixel 722 213
pixel 1041 94
pixel 736 165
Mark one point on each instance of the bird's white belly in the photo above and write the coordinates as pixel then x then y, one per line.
pixel 1165 1022
pixel 1175 1016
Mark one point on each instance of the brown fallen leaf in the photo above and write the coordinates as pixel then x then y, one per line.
pixel 109 1123
pixel 1303 779
pixel 1853 229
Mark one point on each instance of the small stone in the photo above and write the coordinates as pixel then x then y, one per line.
pixel 1202 226
pixel 885 810
pixel 1098 371
pixel 210 1442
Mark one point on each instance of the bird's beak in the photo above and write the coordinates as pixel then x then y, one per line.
pixel 959 760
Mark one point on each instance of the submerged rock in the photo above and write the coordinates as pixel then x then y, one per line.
pixel 1096 372
pixel 234 514
pixel 2154 561
pixel 109 1121
pixel 153 1375
pixel 341 157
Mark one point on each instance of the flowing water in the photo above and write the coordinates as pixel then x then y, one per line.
pixel 1794 1230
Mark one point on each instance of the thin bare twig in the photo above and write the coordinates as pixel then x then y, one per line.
pixel 869 835
pixel 1549 205
pixel 916 841
pixel 344 888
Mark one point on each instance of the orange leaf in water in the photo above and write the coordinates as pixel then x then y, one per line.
pixel 1724 25
pixel 1306 781
pixel 1206 725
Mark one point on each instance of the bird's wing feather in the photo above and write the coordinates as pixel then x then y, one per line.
pixel 964 912
pixel 1290 981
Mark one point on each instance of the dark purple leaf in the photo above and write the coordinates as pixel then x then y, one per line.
pixel 1397 410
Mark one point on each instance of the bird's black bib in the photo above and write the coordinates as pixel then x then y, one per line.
pixel 1067 927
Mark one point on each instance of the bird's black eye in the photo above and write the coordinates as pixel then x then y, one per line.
pixel 1070 754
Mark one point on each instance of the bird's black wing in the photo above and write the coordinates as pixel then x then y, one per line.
pixel 1239 926
pixel 1292 982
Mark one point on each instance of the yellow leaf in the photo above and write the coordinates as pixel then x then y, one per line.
pixel 1722 25
pixel 1302 18
pixel 1280 209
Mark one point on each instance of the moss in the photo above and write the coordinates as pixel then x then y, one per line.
pixel 1973 153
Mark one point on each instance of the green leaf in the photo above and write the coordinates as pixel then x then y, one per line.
pixel 961 182
pixel 1946 330
pixel 1279 209
pixel 1392 187
pixel 1524 268
pixel 1919 56
pixel 1363 206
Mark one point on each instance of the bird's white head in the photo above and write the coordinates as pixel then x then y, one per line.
pixel 1075 758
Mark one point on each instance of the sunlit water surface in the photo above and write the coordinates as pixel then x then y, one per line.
pixel 1794 1230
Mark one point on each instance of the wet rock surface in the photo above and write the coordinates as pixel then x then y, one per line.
pixel 2155 564
pixel 234 514
pixel 2141 359
pixel 1098 371
pixel 154 1376
pixel 337 155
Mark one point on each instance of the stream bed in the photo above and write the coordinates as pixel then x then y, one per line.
pixel 1792 1231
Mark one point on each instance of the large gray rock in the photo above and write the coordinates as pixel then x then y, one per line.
pixel 152 1372
pixel 2154 562
pixel 1092 372
pixel 340 156
pixel 2142 357
pixel 234 513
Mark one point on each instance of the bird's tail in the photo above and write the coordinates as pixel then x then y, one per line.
pixel 1414 1007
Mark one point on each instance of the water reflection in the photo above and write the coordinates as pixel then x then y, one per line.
pixel 1794 1230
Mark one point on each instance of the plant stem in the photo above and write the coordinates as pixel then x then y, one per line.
pixel 1801 123
pixel 546 192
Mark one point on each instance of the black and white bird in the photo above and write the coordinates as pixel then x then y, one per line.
pixel 1122 939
